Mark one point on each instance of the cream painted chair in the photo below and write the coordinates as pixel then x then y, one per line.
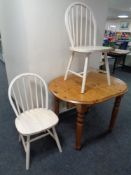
pixel 81 28
pixel 28 95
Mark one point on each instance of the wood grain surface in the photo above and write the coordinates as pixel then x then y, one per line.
pixel 97 89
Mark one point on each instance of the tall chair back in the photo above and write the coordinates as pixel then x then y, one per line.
pixel 28 91
pixel 80 24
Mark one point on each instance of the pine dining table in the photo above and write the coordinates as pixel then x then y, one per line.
pixel 97 91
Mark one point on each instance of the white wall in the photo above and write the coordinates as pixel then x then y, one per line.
pixel 34 35
pixel 48 38
pixel 14 37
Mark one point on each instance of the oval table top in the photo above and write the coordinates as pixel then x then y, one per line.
pixel 97 89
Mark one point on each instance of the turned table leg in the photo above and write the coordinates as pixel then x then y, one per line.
pixel 56 105
pixel 115 112
pixel 81 109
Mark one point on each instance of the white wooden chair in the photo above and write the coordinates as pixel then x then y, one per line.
pixel 28 95
pixel 81 28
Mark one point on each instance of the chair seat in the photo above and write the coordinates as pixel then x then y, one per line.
pixel 35 120
pixel 90 49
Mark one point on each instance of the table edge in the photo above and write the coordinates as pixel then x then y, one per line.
pixel 90 103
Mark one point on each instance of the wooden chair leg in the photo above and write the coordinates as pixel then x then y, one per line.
pixel 69 65
pixel 57 139
pixel 84 75
pixel 107 69
pixel 115 63
pixel 123 61
pixel 28 153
